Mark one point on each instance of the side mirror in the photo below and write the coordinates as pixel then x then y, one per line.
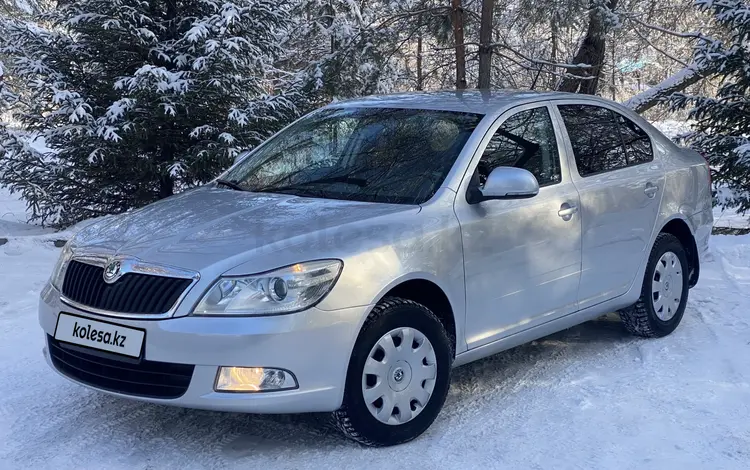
pixel 506 182
pixel 241 156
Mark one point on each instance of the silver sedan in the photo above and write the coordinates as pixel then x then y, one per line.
pixel 352 260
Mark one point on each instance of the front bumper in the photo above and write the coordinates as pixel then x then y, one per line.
pixel 315 345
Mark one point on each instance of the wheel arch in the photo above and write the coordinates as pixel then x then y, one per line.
pixel 681 230
pixel 432 296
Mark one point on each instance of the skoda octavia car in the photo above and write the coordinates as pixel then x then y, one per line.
pixel 352 260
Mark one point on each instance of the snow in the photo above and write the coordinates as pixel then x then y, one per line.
pixel 13 218
pixel 671 83
pixel 743 151
pixel 38 143
pixel 17 232
pixel 588 397
pixel 729 217
pixel 671 128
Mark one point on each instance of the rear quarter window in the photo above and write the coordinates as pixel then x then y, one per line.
pixel 637 142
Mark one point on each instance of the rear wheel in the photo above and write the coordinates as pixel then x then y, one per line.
pixel 398 375
pixel 664 292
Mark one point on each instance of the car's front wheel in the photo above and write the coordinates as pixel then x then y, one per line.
pixel 398 375
pixel 664 292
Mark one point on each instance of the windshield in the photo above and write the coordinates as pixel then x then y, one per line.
pixel 386 155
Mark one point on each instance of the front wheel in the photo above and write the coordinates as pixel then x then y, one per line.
pixel 664 293
pixel 398 375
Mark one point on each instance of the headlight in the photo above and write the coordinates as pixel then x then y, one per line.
pixel 284 290
pixel 58 273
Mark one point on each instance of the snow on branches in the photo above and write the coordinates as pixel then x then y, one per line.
pixel 722 130
pixel 117 89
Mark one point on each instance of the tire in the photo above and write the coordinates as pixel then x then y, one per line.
pixel 354 418
pixel 657 314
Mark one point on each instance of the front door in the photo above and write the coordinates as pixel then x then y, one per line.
pixel 620 185
pixel 522 257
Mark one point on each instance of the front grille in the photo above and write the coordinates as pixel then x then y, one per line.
pixel 132 377
pixel 133 293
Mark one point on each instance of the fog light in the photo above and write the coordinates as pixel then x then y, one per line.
pixel 253 379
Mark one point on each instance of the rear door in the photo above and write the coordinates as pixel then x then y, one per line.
pixel 522 257
pixel 620 186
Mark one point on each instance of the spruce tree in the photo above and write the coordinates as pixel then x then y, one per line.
pixel 722 129
pixel 136 99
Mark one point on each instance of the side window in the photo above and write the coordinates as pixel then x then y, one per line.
pixel 525 140
pixel 637 142
pixel 595 137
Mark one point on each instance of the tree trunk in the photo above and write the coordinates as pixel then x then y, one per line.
pixel 329 13
pixel 485 39
pixel 458 35
pixel 166 182
pixel 554 30
pixel 591 52
pixel 166 186
pixel 553 37
pixel 684 78
pixel 614 70
pixel 420 77
pixel 171 16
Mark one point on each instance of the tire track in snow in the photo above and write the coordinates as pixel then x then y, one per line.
pixel 550 362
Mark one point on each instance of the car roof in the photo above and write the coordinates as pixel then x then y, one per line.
pixel 470 101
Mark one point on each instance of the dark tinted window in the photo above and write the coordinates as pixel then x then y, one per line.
pixel 637 143
pixel 525 140
pixel 595 137
pixel 364 154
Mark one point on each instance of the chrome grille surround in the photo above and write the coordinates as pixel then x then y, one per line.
pixel 136 266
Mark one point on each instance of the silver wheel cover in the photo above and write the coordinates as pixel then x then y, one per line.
pixel 399 376
pixel 666 286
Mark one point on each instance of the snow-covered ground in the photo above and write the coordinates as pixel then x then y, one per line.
pixel 13 217
pixel 729 217
pixel 591 397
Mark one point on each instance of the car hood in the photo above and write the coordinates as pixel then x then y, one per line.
pixel 208 226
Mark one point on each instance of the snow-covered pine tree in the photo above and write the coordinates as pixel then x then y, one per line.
pixel 722 129
pixel 137 98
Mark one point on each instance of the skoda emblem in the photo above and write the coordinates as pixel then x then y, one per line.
pixel 112 272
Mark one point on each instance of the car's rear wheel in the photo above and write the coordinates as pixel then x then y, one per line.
pixel 398 375
pixel 664 292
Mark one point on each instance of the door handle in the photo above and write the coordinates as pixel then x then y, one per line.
pixel 651 190
pixel 566 211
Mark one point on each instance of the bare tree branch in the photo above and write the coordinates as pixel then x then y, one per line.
pixel 662 51
pixel 691 35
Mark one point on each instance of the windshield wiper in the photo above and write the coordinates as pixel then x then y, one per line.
pixel 230 184
pixel 361 182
